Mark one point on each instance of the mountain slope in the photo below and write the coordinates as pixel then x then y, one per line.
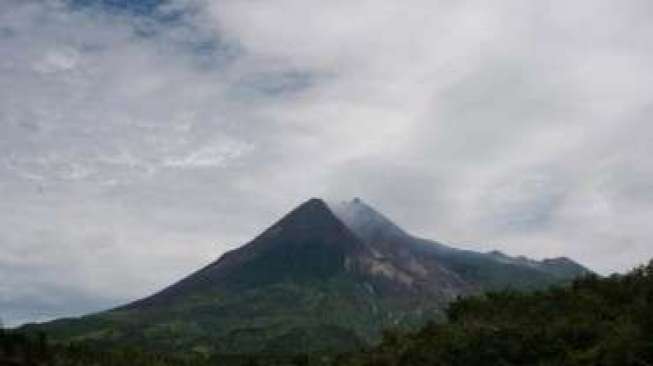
pixel 321 278
pixel 478 271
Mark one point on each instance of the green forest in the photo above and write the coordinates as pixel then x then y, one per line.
pixel 592 321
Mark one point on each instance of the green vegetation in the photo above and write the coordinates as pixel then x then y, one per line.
pixel 284 317
pixel 19 349
pixel 594 321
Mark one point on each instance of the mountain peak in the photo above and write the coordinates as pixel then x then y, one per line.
pixel 366 222
pixel 309 242
pixel 313 210
pixel 315 201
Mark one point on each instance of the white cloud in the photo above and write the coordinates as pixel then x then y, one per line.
pixel 214 155
pixel 57 61
pixel 515 126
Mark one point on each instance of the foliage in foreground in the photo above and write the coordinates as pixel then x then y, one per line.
pixel 595 321
pixel 19 349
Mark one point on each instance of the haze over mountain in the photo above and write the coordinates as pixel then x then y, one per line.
pixel 321 278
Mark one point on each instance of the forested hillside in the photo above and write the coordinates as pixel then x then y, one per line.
pixel 595 321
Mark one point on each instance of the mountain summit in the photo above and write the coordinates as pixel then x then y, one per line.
pixel 309 243
pixel 365 221
pixel 321 278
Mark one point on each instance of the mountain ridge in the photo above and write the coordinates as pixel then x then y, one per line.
pixel 385 236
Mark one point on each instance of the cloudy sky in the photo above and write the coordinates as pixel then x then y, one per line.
pixel 138 142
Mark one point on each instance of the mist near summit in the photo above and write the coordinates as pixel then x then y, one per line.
pixel 140 140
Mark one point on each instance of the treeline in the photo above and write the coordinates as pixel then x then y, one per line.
pixel 595 321
pixel 21 349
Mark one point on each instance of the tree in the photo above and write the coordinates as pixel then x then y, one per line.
pixel 300 360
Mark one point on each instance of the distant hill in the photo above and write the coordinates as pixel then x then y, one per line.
pixel 320 279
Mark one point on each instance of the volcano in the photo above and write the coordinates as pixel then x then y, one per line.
pixel 323 278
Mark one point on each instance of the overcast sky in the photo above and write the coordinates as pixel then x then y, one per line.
pixel 139 143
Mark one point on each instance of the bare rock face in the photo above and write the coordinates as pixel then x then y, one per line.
pixel 396 255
